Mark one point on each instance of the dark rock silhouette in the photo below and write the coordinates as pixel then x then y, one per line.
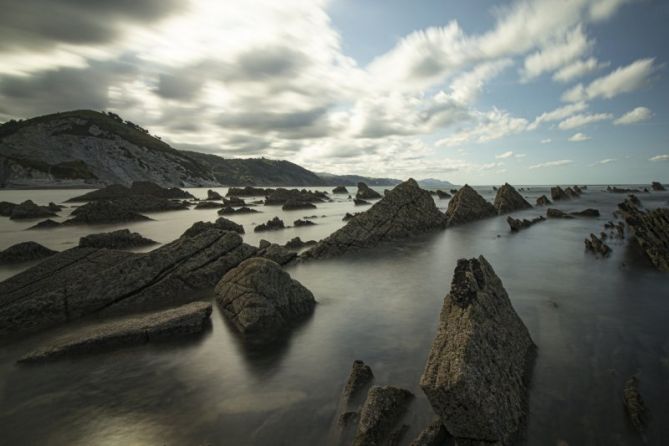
pixel 271 225
pixel 556 213
pixel 46 224
pixel 518 224
pixel 543 201
pixel 649 230
pixel 25 252
pixel 221 223
pixel 340 190
pixel 380 414
pixel 366 193
pixel 636 409
pixel 509 200
pixel 466 206
pixel 597 246
pixel 28 209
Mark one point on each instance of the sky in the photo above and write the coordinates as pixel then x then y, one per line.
pixel 470 91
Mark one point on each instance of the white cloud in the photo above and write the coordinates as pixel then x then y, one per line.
pixel 546 141
pixel 581 119
pixel 504 155
pixel 466 87
pixel 578 69
pixel 637 115
pixel 579 137
pixel 659 158
pixel 519 155
pixel 557 54
pixel 489 126
pixel 551 164
pixel 558 114
pixel 603 162
pixel 622 80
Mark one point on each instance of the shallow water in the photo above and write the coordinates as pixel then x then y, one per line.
pixel 595 322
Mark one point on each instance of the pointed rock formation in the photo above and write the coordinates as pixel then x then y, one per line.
pixel 213 195
pixel 340 190
pixel 433 435
pixel 543 201
pixel 28 209
pixel 103 212
pixel 517 224
pixel 509 200
pixel 25 252
pixel 441 194
pixel 597 246
pixel 46 224
pixel 361 376
pixel 650 231
pixel 405 211
pixel 271 225
pixel 657 186
pixel 475 376
pixel 221 223
pixel 121 239
pixel 556 213
pixel 590 212
pixel 466 206
pixel 557 193
pixel 366 193
pixel 380 414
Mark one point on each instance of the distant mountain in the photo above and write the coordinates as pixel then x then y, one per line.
pixel 352 180
pixel 433 183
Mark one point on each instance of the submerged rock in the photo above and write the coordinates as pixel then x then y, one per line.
pixel 650 231
pixel 213 195
pixel 173 323
pixel 25 252
pixel 657 186
pixel 229 210
pixel 557 194
pixel 248 191
pixel 597 246
pixel 636 409
pixel 509 200
pixel 271 225
pixel 276 253
pixel 433 435
pixel 299 223
pixel 121 239
pixel 292 205
pixel 475 376
pixel 556 213
pixel 282 196
pixel 366 193
pixel 118 191
pixel 260 298
pixel 340 190
pixel 28 209
pixel 590 212
pixel 6 208
pixel 46 224
pixel 209 205
pixel 543 201
pixel 297 243
pixel 360 202
pixel 382 411
pixel 518 224
pixel 102 212
pixel 360 377
pixel 407 210
pixel 221 223
pixel 466 206
pixel 441 194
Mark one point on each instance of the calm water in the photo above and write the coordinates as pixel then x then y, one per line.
pixel 596 322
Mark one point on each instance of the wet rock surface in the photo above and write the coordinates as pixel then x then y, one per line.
pixel 229 210
pixel 291 205
pixel 340 190
pixel 261 299
pixel 360 202
pixel 209 205
pixel 102 212
pixel 466 206
pixel 248 191
pixel 636 409
pixel 476 373
pixel 298 243
pixel 556 213
pixel 46 224
pixel 649 230
pixel 213 195
pixel 173 323
pixel 516 224
pixel 442 194
pixel 543 201
pixel 405 211
pixel 558 194
pixel 509 200
pixel 271 225
pixel 657 186
pixel 590 212
pixel 6 208
pixel 433 435
pixel 118 191
pixel 25 252
pixel 121 239
pixel 380 415
pixel 360 377
pixel 597 246
pixel 28 209
pixel 221 223
pixel 282 196
pixel 299 223
pixel 276 253
pixel 366 193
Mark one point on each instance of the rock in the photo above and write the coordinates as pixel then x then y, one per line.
pixel 349 216
pixel 441 194
pixel 209 205
pixel 259 298
pixel 543 201
pixel 234 201
pixel 173 323
pixel 6 208
pixel 282 196
pixel 556 213
pixel 621 190
pixel 53 207
pixel 406 211
pixel 466 206
pixel 366 193
pixel 46 224
pixel 221 223
pixel 360 377
pixel 117 191
pixel 99 212
pixel 634 404
pixel 299 223
pixel 263 244
pixel 586 213
pixel 297 243
pixel 271 225
pixel 509 200
pixel 360 202
pixel 277 253
pixel 649 230
pixel 121 239
pixel 213 195
pixel 248 191
pixel 433 435
pixel 86 281
pixel 25 252
pixel 382 411
pixel 340 190
pixel 557 194
pixel 454 191
pixel 149 203
pixel 597 246
pixel 228 210
pixel 571 193
pixel 28 209
pixel 347 418
pixel 656 186
pixel 291 205
pixel 476 373
pixel 517 224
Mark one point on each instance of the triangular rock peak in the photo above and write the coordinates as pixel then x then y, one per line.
pixel 509 200
pixel 467 205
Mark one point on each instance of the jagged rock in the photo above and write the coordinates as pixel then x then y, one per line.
pixel 557 194
pixel 621 190
pixel 46 224
pixel 571 193
pixel 173 323
pixel 121 239
pixel 360 202
pixel 466 206
pixel 543 201
pixel 25 252
pixel 650 231
pixel 433 435
pixel 209 205
pixel 148 203
pixel 397 435
pixel 347 418
pixel 86 281
pixel 454 191
pixel 407 210
pixel 234 201
pixel 277 253
pixel 53 207
pixel 633 199
pixel 28 209
pixel 291 205
pixel 263 244
pixel 298 223
pixel 556 213
pixel 117 191
pixel 99 212
pixel 441 194
pixel 634 405
pixel 476 373
pixel 509 200
pixel 597 246
pixel 360 377
pixel 590 212
pixel 248 191
pixel 382 411
pixel 366 193
pixel 340 190
pixel 271 225
pixel 656 186
pixel 221 223
pixel 213 195
pixel 282 196
pixel 259 298
pixel 229 210
pixel 518 224
pixel 349 216
pixel 6 208
pixel 297 243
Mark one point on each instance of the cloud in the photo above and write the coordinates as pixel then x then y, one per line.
pixel 466 87
pixel 582 119
pixel 639 114
pixel 579 137
pixel 604 161
pixel 622 80
pixel 519 155
pixel 546 141
pixel 508 154
pixel 659 158
pixel 557 54
pixel 558 114
pixel 489 126
pixel 578 69
pixel 551 164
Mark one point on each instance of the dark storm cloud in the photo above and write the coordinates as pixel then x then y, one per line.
pixel 259 64
pixel 292 125
pixel 180 86
pixel 43 23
